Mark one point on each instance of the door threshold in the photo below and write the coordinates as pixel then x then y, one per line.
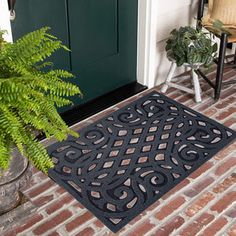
pixel 81 112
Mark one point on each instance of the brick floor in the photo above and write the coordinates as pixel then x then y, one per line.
pixel 203 204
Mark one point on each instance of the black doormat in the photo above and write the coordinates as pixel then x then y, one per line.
pixel 126 161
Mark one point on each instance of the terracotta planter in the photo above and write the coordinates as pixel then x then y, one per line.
pixel 12 180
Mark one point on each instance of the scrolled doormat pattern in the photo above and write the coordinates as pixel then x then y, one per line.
pixel 126 161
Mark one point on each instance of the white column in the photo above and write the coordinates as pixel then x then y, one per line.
pixel 5 20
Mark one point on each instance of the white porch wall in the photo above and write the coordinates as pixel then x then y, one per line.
pixel 5 20
pixel 170 14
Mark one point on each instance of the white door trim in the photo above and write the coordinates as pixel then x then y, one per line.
pixel 146 42
pixel 5 20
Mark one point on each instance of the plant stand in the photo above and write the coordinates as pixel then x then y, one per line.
pixel 197 89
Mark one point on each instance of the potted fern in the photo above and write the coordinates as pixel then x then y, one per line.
pixel 190 46
pixel 30 91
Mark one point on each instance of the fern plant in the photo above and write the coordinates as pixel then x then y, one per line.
pixel 30 91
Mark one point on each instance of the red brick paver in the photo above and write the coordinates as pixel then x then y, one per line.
pixel 203 204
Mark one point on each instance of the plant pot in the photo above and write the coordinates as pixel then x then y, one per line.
pixel 12 180
pixel 194 66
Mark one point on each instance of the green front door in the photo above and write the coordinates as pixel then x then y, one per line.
pixel 102 35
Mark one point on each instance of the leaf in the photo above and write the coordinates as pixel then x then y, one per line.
pixel 214 47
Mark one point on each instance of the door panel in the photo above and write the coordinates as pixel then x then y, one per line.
pixel 93 29
pixel 34 14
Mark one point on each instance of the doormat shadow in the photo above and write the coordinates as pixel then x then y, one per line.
pixel 126 161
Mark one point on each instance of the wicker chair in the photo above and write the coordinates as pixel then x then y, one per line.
pixel 225 11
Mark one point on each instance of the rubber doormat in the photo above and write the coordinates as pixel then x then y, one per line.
pixel 126 161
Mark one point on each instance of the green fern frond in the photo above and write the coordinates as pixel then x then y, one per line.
pixel 60 74
pixel 11 125
pixel 43 65
pixel 59 101
pixel 4 151
pixel 37 153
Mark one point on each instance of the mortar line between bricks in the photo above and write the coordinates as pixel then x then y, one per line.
pixel 223 120
pixel 55 199
pixel 179 192
pixel 103 230
pixel 37 175
pixel 36 185
pixel 217 216
pixel 206 208
pixel 53 187
pixel 30 230
pixel 226 228
pixel 49 217
pixel 45 206
pixel 27 234
pixel 214 175
pixel 80 228
pixel 61 231
pixel 74 216
pixel 187 203
pixel 97 230
pixel 231 116
pixel 72 233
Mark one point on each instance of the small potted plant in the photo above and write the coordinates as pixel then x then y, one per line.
pixel 190 46
pixel 30 91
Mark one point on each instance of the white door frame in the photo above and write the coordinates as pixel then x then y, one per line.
pixel 5 20
pixel 145 39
